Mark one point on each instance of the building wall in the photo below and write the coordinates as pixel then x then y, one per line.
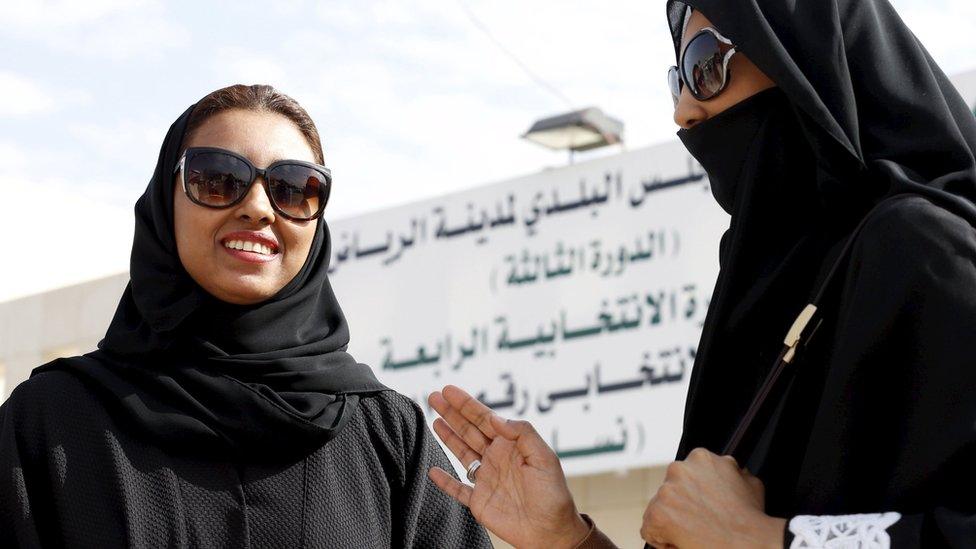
pixel 65 322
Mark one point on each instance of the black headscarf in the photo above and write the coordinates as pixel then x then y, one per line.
pixel 197 375
pixel 878 119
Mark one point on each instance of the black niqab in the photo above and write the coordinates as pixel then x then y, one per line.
pixel 772 252
pixel 863 125
pixel 199 375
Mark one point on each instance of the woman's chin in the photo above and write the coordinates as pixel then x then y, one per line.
pixel 244 290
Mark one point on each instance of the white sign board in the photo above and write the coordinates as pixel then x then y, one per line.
pixel 573 298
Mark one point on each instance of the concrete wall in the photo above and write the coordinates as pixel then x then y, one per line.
pixel 64 322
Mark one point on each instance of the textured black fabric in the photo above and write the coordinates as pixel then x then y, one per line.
pixel 772 254
pixel 72 475
pixel 881 415
pixel 202 375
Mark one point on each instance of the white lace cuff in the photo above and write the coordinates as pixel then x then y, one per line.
pixel 869 531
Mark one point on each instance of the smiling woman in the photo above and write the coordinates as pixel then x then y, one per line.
pixel 221 409
pixel 217 244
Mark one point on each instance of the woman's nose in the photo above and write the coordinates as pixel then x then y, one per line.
pixel 256 206
pixel 688 111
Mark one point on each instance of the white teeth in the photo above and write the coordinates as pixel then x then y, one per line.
pixel 248 246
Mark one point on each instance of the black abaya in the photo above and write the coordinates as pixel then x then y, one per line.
pixel 881 414
pixel 77 475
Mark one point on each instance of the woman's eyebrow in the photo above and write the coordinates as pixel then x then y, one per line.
pixel 271 160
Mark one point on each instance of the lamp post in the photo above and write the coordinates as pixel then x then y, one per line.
pixel 574 131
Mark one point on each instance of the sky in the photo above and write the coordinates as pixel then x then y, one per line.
pixel 413 98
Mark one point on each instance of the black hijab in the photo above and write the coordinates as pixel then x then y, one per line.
pixel 201 376
pixel 864 114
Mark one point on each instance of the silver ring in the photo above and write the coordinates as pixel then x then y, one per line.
pixel 473 469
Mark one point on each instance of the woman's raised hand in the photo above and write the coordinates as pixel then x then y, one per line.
pixel 520 491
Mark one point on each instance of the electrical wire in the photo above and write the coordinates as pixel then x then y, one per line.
pixel 525 68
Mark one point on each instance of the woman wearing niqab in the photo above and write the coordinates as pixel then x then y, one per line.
pixel 202 423
pixel 851 185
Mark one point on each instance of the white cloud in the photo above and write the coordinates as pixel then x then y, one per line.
pixel 238 65
pixel 61 14
pixel 12 158
pixel 113 30
pixel 64 238
pixel 21 96
pixel 116 139
pixel 131 37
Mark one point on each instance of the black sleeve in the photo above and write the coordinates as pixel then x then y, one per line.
pixel 904 368
pixel 17 521
pixel 427 517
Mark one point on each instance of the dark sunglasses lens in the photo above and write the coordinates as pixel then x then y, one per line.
pixel 216 179
pixel 702 66
pixel 298 191
pixel 674 84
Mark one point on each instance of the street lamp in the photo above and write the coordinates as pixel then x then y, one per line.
pixel 580 130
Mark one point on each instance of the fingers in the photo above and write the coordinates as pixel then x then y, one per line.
pixel 729 462
pixel 464 428
pixel 471 409
pixel 450 485
pixel 757 488
pixel 702 456
pixel 477 425
pixel 652 528
pixel 526 439
pixel 755 485
pixel 503 428
pixel 454 443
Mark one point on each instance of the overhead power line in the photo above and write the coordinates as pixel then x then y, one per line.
pixel 525 68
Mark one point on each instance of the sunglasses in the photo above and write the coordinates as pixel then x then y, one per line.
pixel 703 66
pixel 218 178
